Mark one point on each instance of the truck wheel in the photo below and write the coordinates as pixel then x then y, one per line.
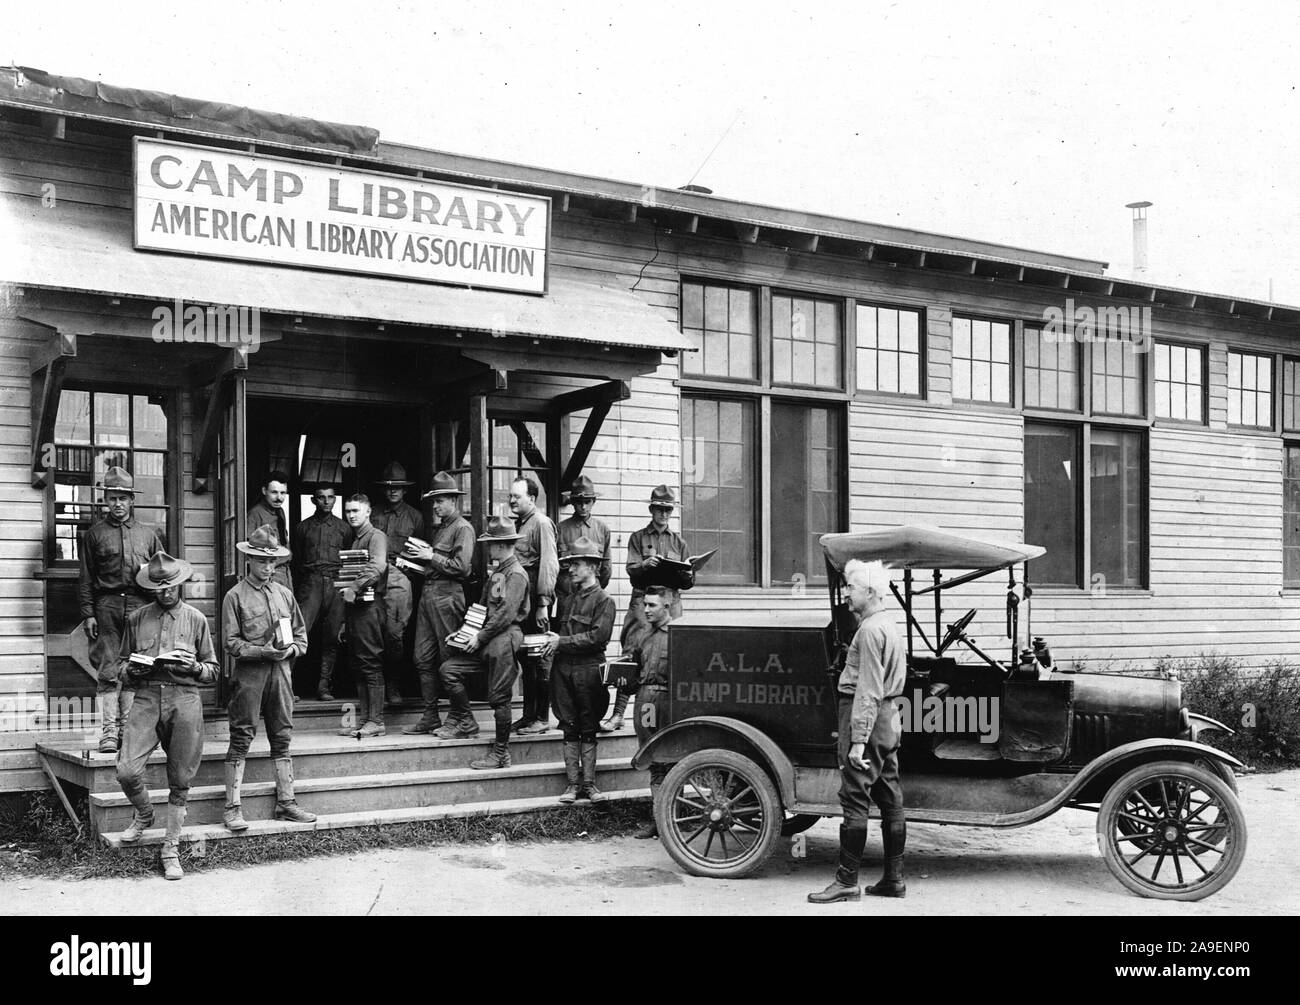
pixel 719 815
pixel 1172 830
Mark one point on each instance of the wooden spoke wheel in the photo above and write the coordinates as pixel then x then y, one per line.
pixel 718 813
pixel 1172 831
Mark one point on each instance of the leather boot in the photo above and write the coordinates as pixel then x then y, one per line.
pixel 614 721
pixel 111 715
pixel 233 816
pixel 853 841
pixel 171 848
pixel 323 686
pixel 375 704
pixel 572 770
pixel 589 791
pixel 140 822
pixel 498 756
pixel 361 713
pixel 891 883
pixel 430 720
pixel 286 807
pixel 458 727
pixel 651 829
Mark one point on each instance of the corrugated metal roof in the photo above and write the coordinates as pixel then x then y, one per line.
pixel 79 247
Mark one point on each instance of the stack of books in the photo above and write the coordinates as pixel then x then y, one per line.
pixel 354 561
pixel 409 564
pixel 474 619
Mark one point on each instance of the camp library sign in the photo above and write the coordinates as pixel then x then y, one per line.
pixel 220 203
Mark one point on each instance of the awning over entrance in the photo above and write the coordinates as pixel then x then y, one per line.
pixel 74 246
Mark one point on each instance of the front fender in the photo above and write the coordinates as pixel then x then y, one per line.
pixel 705 732
pixel 1090 784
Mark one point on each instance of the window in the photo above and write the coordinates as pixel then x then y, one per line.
pixel 719 487
pixel 805 342
pixel 1291 515
pixel 518 447
pixel 1051 371
pixel 1061 461
pixel 722 322
pixel 1117 377
pixel 981 360
pixel 1180 386
pixel 889 349
pixel 1250 390
pixel 1290 395
pixel 96 430
pixel 806 489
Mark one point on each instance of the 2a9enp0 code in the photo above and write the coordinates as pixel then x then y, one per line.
pixel 1218 947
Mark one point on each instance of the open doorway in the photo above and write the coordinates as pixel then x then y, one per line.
pixel 346 445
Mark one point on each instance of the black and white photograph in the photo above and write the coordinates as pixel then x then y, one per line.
pixel 692 460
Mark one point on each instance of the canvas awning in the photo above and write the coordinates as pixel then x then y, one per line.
pixel 89 249
pixel 919 547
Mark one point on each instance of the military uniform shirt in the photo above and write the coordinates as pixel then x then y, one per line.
pixel 375 572
pixel 585 623
pixel 651 648
pixel 111 555
pixel 398 522
pixel 317 540
pixel 536 552
pixel 155 629
pixel 874 669
pixel 249 614
pixel 594 530
pixel 453 550
pixel 647 542
pixel 505 595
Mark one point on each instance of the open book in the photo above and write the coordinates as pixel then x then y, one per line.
pixel 674 573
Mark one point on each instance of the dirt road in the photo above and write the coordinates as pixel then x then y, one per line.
pixel 1050 868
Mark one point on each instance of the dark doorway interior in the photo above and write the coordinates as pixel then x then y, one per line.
pixel 347 445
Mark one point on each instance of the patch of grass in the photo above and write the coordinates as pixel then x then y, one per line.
pixel 40 839
pixel 1262 705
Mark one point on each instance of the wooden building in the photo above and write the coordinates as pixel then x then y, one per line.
pixel 789 373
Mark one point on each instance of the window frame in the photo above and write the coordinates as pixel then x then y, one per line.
pixel 923 345
pixel 1292 443
pixel 64 568
pixel 1204 351
pixel 1275 396
pixel 1082 358
pixel 760 317
pixel 767 334
pixel 1015 374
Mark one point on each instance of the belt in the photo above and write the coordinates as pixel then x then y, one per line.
pixel 160 684
pixel 654 687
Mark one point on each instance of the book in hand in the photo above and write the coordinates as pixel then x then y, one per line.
pixel 139 664
pixel 283 633
pixel 411 565
pixel 474 619
pixel 624 668
pixel 674 573
pixel 354 561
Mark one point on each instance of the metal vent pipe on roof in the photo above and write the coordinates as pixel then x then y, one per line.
pixel 1139 236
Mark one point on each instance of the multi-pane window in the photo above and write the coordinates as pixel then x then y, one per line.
pixel 981 360
pixel 97 430
pixel 1117 377
pixel 806 341
pixel 1108 482
pixel 889 349
pixel 1291 515
pixel 1250 390
pixel 719 487
pixel 518 448
pixel 807 484
pixel 1291 395
pixel 1179 382
pixel 722 322
pixel 1051 371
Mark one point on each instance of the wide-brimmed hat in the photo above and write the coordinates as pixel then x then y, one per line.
pixel 264 543
pixel 393 474
pixel 663 496
pixel 443 485
pixel 117 479
pixel 501 530
pixel 583 547
pixel 582 488
pixel 163 571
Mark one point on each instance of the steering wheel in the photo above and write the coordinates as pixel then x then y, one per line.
pixel 955 630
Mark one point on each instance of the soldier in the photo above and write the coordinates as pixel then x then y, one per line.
pixel 649 647
pixel 250 616
pixel 166 708
pixel 870 730
pixel 442 601
pixel 397 520
pixel 270 510
pixel 582 496
pixel 363 618
pixel 645 548
pixel 493 647
pixel 536 552
pixel 316 544
pixel 584 622
pixel 112 552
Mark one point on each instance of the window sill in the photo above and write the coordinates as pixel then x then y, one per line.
pixel 57 574
pixel 1075 591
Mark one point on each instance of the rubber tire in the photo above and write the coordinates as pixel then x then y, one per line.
pixel 1209 780
pixel 768 799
